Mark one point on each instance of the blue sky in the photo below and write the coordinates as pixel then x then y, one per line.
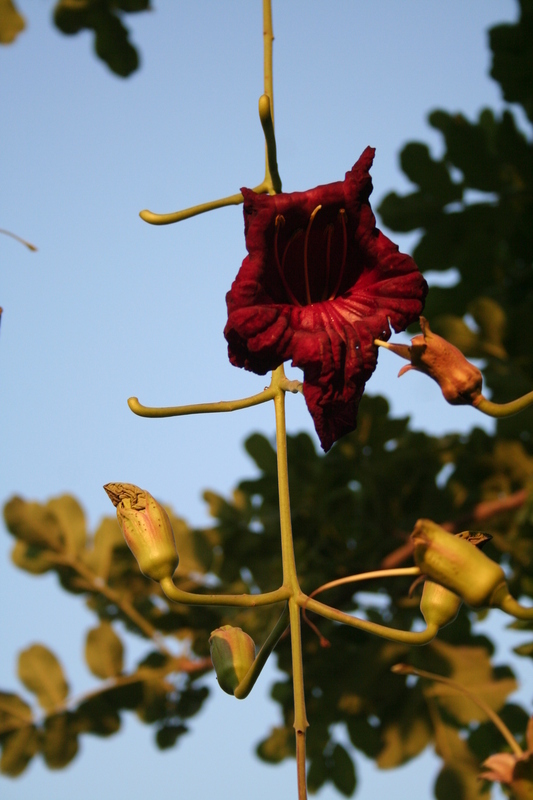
pixel 111 307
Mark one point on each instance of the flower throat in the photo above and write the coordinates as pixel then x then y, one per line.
pixel 322 247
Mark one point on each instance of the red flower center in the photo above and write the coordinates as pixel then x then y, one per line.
pixel 310 257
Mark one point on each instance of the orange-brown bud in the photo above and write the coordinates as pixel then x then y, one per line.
pixel 459 380
pixel 146 529
pixel 456 564
pixel 232 654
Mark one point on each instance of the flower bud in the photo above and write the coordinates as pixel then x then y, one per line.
pixel 232 654
pixel 456 564
pixel 439 606
pixel 459 380
pixel 146 529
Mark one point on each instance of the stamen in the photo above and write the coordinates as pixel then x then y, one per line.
pixel 306 269
pixel 342 216
pixel 296 235
pixel 329 232
pixel 279 223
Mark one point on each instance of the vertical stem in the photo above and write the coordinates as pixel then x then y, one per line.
pixel 290 576
pixel 268 38
pixel 290 580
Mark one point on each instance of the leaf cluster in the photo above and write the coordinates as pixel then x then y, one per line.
pixel 352 509
pixel 473 208
pixel 105 18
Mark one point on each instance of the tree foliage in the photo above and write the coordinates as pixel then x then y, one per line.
pixel 352 510
pixel 105 18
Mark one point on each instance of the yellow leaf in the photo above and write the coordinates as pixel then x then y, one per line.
pixel 11 22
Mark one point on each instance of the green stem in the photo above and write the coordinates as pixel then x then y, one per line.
pixel 248 682
pixel 406 669
pixel 290 581
pixel 193 211
pixel 503 409
pixel 393 634
pixel 508 604
pixel 272 178
pixel 201 408
pixel 366 576
pixel 238 600
pixel 362 576
pixel 266 104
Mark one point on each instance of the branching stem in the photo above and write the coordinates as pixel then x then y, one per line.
pixel 201 408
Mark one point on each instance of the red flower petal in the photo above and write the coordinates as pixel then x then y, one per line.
pixel 319 284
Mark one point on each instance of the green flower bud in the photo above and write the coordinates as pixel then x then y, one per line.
pixel 439 606
pixel 146 529
pixel 232 654
pixel 456 564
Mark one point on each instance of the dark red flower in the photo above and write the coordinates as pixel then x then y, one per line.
pixel 319 284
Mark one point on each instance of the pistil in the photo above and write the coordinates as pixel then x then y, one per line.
pixel 330 229
pixel 306 268
pixel 279 222
pixel 342 217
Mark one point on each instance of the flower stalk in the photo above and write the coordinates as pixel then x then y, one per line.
pixel 407 669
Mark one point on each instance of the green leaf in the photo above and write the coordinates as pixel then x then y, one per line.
pixel 30 558
pixel 13 711
pixel 334 765
pixel 167 736
pixel 407 213
pixel 259 448
pixel 492 322
pixel 512 48
pixel 112 46
pixel 403 739
pixel 458 779
pixel 364 736
pixel 432 176
pixel 318 773
pixel 97 716
pixel 11 22
pixel 191 701
pixel 71 519
pixel 277 746
pixel 154 704
pixel 471 667
pixel 60 740
pixel 195 548
pixel 18 749
pixel 41 673
pixel 104 651
pixel 32 523
pixel 111 36
pixel 107 539
pixel 343 771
